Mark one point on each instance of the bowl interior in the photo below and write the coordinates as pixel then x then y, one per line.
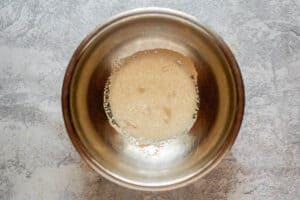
pixel 169 162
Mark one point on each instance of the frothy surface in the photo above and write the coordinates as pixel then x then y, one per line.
pixel 152 95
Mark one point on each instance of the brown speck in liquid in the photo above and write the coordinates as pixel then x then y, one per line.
pixel 171 94
pixel 168 114
pixel 141 90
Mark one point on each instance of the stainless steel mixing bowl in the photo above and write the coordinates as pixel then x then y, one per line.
pixel 167 164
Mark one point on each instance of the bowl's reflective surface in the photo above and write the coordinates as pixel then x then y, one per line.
pixel 168 164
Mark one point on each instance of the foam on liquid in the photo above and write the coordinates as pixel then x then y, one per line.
pixel 152 95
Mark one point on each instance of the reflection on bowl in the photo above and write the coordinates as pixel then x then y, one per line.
pixel 169 163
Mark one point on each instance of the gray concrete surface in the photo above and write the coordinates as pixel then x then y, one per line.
pixel 37 160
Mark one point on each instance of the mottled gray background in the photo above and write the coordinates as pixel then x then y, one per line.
pixel 37 160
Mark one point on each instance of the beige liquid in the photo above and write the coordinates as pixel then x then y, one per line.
pixel 152 95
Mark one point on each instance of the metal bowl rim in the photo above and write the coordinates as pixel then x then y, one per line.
pixel 83 151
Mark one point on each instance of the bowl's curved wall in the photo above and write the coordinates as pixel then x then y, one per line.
pixel 172 163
